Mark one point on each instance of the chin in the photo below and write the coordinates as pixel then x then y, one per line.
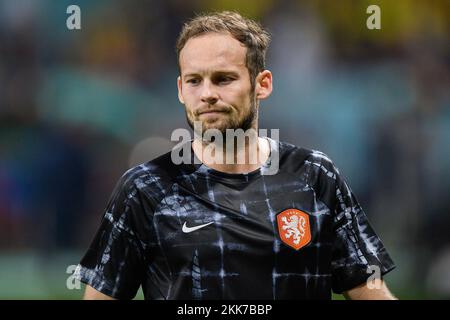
pixel 215 123
pixel 218 124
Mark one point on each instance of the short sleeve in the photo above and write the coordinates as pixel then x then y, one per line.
pixel 357 250
pixel 114 263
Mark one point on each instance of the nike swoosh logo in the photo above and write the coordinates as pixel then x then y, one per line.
pixel 186 229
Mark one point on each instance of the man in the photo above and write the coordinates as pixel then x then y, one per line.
pixel 218 230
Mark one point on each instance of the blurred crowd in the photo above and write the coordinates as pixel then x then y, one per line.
pixel 79 107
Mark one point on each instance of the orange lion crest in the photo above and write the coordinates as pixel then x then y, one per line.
pixel 294 228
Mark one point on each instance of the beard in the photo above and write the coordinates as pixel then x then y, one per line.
pixel 245 122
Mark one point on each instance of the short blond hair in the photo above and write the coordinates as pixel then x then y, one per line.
pixel 245 30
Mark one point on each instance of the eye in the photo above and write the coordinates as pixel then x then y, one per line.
pixel 224 79
pixel 193 81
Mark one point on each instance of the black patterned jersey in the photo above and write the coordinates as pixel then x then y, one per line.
pixel 186 231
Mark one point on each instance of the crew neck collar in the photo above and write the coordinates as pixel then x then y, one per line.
pixel 247 176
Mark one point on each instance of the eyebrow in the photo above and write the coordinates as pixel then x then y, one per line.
pixel 218 72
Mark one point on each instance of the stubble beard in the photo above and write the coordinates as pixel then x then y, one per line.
pixel 246 122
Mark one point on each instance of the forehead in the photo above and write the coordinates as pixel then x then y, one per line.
pixel 212 51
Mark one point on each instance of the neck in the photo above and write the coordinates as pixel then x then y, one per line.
pixel 233 156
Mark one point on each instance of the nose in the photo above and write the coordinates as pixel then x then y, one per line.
pixel 208 94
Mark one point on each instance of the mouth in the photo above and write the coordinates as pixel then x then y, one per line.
pixel 212 112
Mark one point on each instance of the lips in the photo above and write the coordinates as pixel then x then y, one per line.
pixel 211 111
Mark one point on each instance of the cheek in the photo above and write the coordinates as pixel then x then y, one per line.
pixel 190 104
pixel 189 97
pixel 237 94
pixel 242 101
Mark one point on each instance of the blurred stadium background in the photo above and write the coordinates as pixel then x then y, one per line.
pixel 77 108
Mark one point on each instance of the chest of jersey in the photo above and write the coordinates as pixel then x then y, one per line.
pixel 216 236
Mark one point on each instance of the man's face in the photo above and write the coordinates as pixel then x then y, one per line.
pixel 214 84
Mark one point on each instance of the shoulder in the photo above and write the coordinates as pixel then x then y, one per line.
pixel 153 178
pixel 323 164
pixel 314 166
pixel 292 157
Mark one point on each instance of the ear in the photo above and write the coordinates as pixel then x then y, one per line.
pixel 180 96
pixel 263 84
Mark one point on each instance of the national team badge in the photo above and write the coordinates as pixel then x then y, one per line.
pixel 294 228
